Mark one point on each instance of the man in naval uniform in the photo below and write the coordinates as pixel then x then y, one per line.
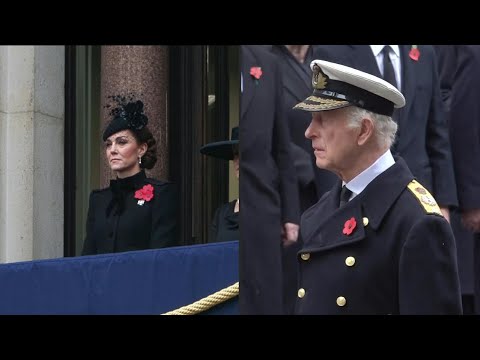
pixel 377 243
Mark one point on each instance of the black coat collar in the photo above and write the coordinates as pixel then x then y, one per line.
pixel 120 187
pixel 128 183
pixel 322 226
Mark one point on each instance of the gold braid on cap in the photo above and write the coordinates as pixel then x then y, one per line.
pixel 319 79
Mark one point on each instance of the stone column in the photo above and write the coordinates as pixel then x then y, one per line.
pixel 31 154
pixel 48 154
pixel 138 70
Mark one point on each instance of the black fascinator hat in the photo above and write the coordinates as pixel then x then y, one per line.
pixel 222 149
pixel 128 114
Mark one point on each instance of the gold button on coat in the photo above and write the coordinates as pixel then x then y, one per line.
pixel 350 261
pixel 301 292
pixel 305 256
pixel 341 301
pixel 365 221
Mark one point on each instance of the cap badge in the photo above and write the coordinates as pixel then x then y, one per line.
pixel 319 79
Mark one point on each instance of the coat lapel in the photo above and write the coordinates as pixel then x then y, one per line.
pixel 363 59
pixel 295 84
pixel 313 216
pixel 248 61
pixel 330 232
pixel 323 225
pixel 408 83
pixel 300 81
pixel 297 78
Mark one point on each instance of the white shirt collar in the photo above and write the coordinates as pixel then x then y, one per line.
pixel 360 182
pixel 377 49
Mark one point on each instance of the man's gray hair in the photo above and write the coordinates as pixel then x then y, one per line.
pixel 385 127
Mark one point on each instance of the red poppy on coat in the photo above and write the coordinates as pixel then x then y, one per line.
pixel 414 53
pixel 145 193
pixel 256 72
pixel 349 226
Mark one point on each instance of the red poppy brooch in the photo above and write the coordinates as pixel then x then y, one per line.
pixel 256 72
pixel 144 194
pixel 349 226
pixel 414 53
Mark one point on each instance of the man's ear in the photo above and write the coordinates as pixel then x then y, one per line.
pixel 366 131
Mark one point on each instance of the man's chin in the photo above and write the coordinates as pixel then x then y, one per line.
pixel 321 163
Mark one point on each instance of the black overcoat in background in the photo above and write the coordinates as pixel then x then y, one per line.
pixel 268 184
pixel 464 124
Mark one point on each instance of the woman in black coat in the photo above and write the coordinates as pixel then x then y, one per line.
pixel 134 212
pixel 225 224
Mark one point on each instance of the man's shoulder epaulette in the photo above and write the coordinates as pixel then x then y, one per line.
pixel 424 197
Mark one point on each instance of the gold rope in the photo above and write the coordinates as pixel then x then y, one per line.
pixel 207 302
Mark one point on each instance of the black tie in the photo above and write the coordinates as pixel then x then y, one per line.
pixel 388 71
pixel 344 195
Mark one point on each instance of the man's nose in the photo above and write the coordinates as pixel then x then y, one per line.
pixel 308 132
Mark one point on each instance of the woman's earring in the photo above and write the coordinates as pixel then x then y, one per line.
pixel 140 160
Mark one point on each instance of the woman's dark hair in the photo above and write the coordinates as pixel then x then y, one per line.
pixel 144 135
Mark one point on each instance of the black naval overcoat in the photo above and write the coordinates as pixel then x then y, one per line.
pixel 387 251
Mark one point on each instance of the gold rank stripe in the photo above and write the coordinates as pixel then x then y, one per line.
pixel 424 197
pixel 326 101
pixel 315 103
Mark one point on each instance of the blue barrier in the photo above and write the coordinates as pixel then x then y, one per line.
pixel 137 282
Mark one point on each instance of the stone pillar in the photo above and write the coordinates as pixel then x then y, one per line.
pixel 138 70
pixel 31 153
pixel 48 154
